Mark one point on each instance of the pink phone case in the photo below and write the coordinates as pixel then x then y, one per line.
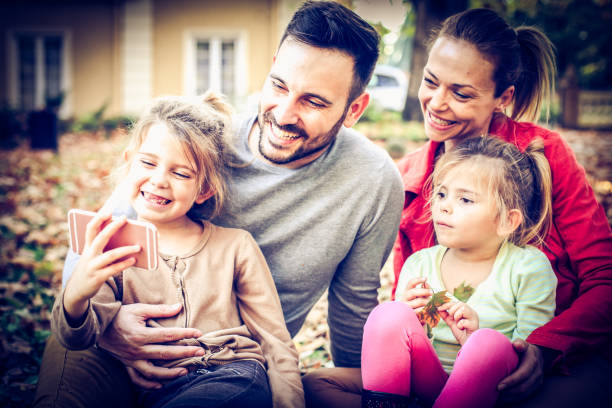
pixel 132 233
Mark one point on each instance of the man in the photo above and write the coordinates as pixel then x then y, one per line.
pixel 322 202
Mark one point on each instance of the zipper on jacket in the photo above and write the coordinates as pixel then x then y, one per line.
pixel 184 296
pixel 177 278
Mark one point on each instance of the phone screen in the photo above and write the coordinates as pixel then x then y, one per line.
pixel 132 233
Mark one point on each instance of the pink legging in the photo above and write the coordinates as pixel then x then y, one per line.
pixel 397 357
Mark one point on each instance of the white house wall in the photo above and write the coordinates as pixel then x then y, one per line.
pixel 137 69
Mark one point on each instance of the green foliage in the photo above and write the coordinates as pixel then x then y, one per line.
pixel 389 129
pixel 91 122
pixel 551 115
pixel 373 113
pixel 382 31
pixel 402 50
pixel 95 121
pixel 118 122
pixel 24 323
pixel 579 29
pixel 388 125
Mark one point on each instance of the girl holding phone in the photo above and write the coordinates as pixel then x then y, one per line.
pixel 173 177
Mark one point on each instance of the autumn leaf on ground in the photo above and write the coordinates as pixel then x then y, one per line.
pixel 463 292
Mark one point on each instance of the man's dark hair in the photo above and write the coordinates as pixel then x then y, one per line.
pixel 326 24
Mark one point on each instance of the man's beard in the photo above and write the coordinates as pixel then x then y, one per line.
pixel 303 151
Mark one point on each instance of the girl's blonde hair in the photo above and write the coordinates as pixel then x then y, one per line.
pixel 201 125
pixel 515 180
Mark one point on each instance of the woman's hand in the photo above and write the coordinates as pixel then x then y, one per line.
pixel 95 266
pixel 130 340
pixel 417 293
pixel 527 377
pixel 461 318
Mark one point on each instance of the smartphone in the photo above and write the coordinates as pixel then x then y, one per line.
pixel 132 233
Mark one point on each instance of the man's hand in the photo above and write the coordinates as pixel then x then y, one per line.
pixel 527 377
pixel 131 341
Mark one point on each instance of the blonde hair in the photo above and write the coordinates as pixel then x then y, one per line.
pixel 200 124
pixel 515 180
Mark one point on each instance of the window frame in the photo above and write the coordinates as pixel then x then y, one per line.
pixel 13 69
pixel 215 37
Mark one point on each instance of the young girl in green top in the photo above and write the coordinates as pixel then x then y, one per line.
pixel 489 201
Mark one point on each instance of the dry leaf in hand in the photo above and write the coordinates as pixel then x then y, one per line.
pixel 429 315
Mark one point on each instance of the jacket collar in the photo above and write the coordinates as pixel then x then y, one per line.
pixel 421 164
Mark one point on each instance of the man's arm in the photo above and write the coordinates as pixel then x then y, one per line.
pixel 134 343
pixel 353 292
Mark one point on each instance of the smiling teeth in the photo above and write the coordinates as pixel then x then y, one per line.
pixel 440 121
pixel 155 198
pixel 284 135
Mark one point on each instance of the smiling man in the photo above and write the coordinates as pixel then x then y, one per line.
pixel 321 200
pixel 303 106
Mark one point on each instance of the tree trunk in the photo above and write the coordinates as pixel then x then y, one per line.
pixel 429 14
pixel 569 91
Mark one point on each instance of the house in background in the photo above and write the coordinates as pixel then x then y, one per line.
pixel 124 52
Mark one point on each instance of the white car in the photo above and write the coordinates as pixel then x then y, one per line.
pixel 388 87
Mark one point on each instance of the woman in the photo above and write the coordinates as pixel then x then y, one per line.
pixel 484 77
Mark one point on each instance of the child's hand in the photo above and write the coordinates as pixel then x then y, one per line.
pixel 95 266
pixel 462 319
pixel 417 297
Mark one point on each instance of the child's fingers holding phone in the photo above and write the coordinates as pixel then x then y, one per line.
pixel 93 233
pixel 96 266
pixel 97 234
pixel 107 264
pixel 89 275
pixel 94 226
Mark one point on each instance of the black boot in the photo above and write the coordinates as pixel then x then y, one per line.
pixel 375 399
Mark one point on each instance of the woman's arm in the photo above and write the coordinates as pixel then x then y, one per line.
pixel 580 249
